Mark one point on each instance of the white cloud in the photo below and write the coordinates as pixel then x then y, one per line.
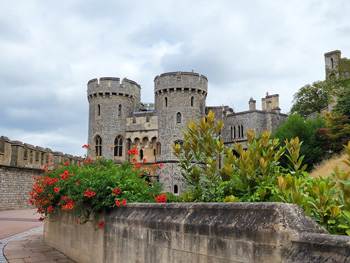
pixel 50 50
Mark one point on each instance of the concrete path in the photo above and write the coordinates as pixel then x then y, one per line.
pixel 27 246
pixel 13 222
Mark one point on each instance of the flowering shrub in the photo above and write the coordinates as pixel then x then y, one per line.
pixel 161 199
pixel 91 186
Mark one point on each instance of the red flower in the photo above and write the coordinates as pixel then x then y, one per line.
pixel 66 163
pixel 89 193
pixel 101 224
pixel 50 209
pixel 86 146
pixel 161 199
pixel 117 203
pixel 77 182
pixel 144 160
pixel 56 189
pixel 116 191
pixel 88 160
pixel 160 165
pixel 124 202
pixel 41 219
pixel 78 222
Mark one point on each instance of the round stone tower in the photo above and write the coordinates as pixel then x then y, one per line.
pixel 110 103
pixel 179 98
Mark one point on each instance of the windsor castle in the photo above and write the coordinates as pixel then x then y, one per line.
pixel 118 120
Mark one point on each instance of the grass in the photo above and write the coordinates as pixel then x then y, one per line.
pixel 326 167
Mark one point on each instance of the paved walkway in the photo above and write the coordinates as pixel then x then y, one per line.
pixel 28 246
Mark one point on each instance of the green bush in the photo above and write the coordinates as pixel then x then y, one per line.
pixel 91 186
pixel 255 174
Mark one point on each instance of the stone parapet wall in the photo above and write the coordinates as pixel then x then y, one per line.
pixel 15 183
pixel 198 232
pixel 18 154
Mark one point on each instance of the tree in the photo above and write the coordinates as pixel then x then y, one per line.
pixel 307 131
pixel 343 98
pixel 338 130
pixel 310 98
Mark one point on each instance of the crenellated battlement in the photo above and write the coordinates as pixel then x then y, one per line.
pixel 23 155
pixel 108 86
pixel 180 82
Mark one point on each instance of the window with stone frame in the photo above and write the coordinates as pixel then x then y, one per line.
pixel 159 148
pixel 178 117
pixel 118 146
pixel 98 110
pixel 119 110
pixel 98 145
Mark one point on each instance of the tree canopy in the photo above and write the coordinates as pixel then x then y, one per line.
pixel 307 131
pixel 310 99
pixel 343 97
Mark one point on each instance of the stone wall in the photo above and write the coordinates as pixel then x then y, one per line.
pixel 198 232
pixel 19 163
pixel 14 186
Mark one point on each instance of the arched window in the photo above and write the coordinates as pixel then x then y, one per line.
pixel 98 145
pixel 118 146
pixel 178 117
pixel 166 102
pixel 176 189
pixel 98 110
pixel 239 131
pixel 147 118
pixel 192 101
pixel 120 110
pixel 332 63
pixel 234 132
pixel 231 133
pixel 242 134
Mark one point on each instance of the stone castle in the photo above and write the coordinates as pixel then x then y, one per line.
pixel 118 120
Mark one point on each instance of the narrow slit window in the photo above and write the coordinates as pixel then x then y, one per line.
pixel 178 117
pixel 119 110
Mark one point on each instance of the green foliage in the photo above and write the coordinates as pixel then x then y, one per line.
pixel 311 98
pixel 338 130
pixel 255 175
pixel 91 187
pixel 307 131
pixel 343 97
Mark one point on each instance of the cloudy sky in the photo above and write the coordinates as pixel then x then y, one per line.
pixel 49 50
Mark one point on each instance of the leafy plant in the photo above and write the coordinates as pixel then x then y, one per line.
pixel 254 174
pixel 91 186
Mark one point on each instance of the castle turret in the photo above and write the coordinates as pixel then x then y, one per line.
pixel 336 66
pixel 179 98
pixel 110 103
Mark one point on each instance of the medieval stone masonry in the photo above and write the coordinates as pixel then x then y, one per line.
pixel 119 121
pixel 19 164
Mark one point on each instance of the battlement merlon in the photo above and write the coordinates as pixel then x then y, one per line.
pixel 18 154
pixel 113 86
pixel 180 80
